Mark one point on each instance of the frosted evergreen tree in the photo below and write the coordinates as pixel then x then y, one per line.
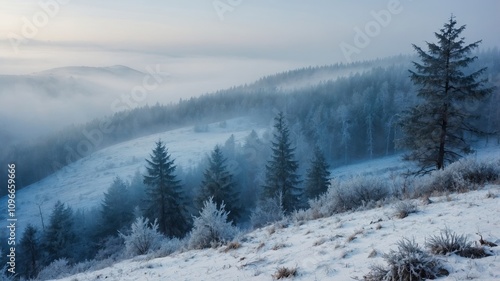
pixel 211 227
pixel 281 170
pixel 318 176
pixel 218 184
pixel 143 238
pixel 59 235
pixel 136 189
pixel 164 194
pixel 117 210
pixel 434 130
pixel 29 252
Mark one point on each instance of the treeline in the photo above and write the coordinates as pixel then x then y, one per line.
pixel 352 117
pixel 240 187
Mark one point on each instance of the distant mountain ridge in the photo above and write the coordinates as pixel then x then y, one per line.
pixel 118 70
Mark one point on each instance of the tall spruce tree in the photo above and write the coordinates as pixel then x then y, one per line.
pixel 281 169
pixel 29 253
pixel 219 185
pixel 117 210
pixel 60 237
pixel 164 195
pixel 434 130
pixel 318 176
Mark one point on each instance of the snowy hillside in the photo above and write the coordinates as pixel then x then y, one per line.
pixel 82 184
pixel 342 247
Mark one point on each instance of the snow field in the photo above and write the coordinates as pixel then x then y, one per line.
pixel 341 247
pixel 82 184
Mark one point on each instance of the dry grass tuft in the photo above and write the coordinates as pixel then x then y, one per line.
pixel 353 236
pixel 284 272
pixel 232 246
pixel 278 246
pixel 373 253
pixel 404 209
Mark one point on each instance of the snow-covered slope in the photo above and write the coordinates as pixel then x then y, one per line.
pixel 342 247
pixel 82 184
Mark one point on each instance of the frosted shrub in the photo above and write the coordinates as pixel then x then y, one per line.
pixel 167 247
pixel 324 205
pixel 211 227
pixel 143 238
pixel 449 242
pixel 56 269
pixel 111 248
pixel 480 172
pixel 463 175
pixel 268 211
pixel 404 209
pixel 408 263
pixel 352 194
pixel 359 192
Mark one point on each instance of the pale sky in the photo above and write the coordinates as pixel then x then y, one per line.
pixel 203 45
pixel 280 33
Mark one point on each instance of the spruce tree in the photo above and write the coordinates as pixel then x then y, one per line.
pixel 317 180
pixel 29 253
pixel 164 194
pixel 281 169
pixel 434 130
pixel 117 210
pixel 218 184
pixel 59 236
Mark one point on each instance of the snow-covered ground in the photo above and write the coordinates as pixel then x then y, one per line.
pixel 341 247
pixel 390 166
pixel 334 248
pixel 83 183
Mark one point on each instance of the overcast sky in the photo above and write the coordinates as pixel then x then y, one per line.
pixel 279 33
pixel 203 45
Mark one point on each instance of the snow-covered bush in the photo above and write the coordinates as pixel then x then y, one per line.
pixel 144 237
pixel 464 175
pixel 349 195
pixel 167 247
pixel 359 192
pixel 408 262
pixel 449 242
pixel 268 211
pixel 480 172
pixel 211 227
pixel 285 272
pixel 404 209
pixel 56 269
pixel 110 248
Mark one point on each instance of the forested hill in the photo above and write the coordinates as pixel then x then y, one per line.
pixel 350 111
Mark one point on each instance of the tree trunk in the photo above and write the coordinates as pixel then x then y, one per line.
pixel 442 139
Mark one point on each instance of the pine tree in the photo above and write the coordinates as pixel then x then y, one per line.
pixel 317 181
pixel 29 252
pixel 281 170
pixel 218 184
pixel 59 236
pixel 137 189
pixel 117 210
pixel 165 198
pixel 434 130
